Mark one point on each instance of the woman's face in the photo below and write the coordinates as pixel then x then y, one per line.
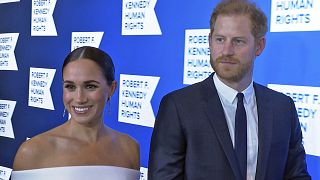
pixel 85 91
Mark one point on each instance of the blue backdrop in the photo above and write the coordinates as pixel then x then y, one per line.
pixel 290 58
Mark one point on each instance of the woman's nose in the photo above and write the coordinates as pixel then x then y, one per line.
pixel 81 96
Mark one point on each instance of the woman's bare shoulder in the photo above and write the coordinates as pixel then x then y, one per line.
pixel 124 139
pixel 33 151
pixel 130 146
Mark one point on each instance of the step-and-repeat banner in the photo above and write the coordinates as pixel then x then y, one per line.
pixel 157 46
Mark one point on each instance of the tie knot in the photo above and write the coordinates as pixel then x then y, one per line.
pixel 240 97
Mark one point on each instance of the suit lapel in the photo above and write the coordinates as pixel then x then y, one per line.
pixel 265 123
pixel 215 113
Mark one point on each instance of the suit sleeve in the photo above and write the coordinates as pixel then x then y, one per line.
pixel 168 144
pixel 296 167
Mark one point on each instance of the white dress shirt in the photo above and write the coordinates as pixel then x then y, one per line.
pixel 229 100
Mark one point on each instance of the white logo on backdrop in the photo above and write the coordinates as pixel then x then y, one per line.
pixel 307 101
pixel 80 39
pixel 139 18
pixel 196 56
pixel 134 99
pixel 295 15
pixel 8 42
pixel 39 88
pixel 6 111
pixel 5 173
pixel 143 173
pixel 42 22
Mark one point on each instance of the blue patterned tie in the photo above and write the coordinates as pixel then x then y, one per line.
pixel 241 136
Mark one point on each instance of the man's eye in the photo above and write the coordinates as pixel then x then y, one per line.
pixel 239 42
pixel 219 40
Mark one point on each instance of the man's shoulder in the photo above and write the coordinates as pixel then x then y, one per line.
pixel 190 91
pixel 270 93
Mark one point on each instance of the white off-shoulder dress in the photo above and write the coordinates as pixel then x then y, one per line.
pixel 77 173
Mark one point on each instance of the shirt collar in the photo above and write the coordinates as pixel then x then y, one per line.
pixel 230 94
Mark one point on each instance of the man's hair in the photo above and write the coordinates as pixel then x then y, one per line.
pixel 242 7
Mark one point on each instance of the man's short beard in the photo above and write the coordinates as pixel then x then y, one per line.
pixel 235 76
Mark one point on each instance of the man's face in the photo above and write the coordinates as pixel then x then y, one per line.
pixel 233 48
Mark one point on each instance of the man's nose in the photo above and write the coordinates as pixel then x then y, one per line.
pixel 228 49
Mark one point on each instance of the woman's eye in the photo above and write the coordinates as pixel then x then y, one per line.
pixel 91 86
pixel 69 87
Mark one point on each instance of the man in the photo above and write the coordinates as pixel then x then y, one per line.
pixel 198 133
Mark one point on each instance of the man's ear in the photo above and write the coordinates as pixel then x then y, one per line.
pixel 260 45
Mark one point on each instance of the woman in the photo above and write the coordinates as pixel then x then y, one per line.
pixel 83 147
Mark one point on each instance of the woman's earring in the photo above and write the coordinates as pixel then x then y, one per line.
pixel 64 112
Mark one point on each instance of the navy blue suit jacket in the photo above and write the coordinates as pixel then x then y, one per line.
pixel 191 139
